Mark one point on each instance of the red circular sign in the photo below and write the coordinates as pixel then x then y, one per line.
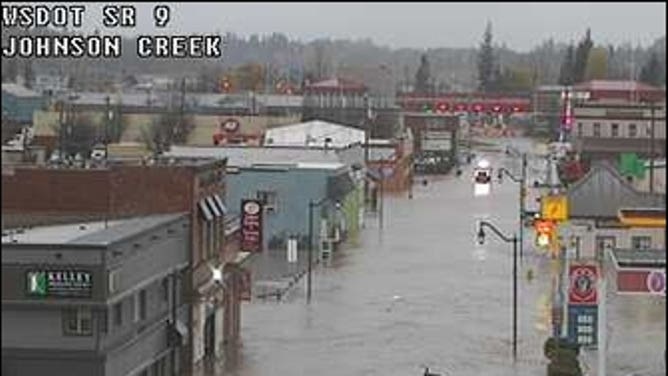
pixel 656 282
pixel 582 288
pixel 230 125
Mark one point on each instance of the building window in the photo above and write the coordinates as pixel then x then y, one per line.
pixel 603 243
pixel 77 322
pixel 579 129
pixel 641 242
pixel 597 129
pixel 633 130
pixel 614 130
pixel 165 289
pixel 118 314
pixel 269 199
pixel 142 305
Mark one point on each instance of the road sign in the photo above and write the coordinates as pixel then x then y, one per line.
pixel 554 207
pixel 292 250
pixel 582 284
pixel 583 325
pixel 656 282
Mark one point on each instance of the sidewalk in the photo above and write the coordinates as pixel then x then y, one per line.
pixel 273 276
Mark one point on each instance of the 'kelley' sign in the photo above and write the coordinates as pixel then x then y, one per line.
pixel 251 226
pixel 61 283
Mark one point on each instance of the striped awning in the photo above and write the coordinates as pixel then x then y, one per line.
pixel 214 207
pixel 204 210
pixel 220 204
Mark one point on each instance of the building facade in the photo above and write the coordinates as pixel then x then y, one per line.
pixel 19 103
pixel 604 129
pixel 34 196
pixel 96 299
pixel 594 203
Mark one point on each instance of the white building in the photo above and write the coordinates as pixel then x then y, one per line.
pixel 315 133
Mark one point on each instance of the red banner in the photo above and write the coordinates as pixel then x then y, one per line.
pixel 582 286
pixel 641 281
pixel 251 226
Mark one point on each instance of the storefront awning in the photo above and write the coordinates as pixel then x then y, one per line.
pixel 204 210
pixel 643 217
pixel 213 206
pixel 220 204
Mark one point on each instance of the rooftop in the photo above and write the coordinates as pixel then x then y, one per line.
pixel 602 191
pixel 240 156
pixel 19 91
pixel 91 233
pixel 615 85
pixel 314 133
pixel 639 258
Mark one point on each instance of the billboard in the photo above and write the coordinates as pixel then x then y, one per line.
pixel 251 225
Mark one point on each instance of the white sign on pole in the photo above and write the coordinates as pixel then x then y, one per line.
pixel 292 250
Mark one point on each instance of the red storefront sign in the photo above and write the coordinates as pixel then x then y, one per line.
pixel 582 284
pixel 641 281
pixel 251 226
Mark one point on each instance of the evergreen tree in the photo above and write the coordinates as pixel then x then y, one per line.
pixel 651 71
pixel 582 57
pixel 10 71
pixel 422 76
pixel 28 74
pixel 486 66
pixel 567 66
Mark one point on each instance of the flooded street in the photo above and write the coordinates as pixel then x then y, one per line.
pixel 421 292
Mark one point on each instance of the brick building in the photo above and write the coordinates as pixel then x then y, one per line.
pixel 33 196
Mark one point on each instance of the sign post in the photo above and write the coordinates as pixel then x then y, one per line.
pixel 583 297
pixel 251 226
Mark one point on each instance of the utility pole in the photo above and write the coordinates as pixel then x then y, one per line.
pixel 61 131
pixel 366 146
pixel 107 117
pixel 651 150
pixel 183 103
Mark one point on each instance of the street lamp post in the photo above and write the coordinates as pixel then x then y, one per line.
pixel 311 205
pixel 513 239
pixel 522 182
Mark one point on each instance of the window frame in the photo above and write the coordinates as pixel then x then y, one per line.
pixel 143 304
pixel 118 314
pixel 634 127
pixel 79 315
pixel 614 130
pixel 639 239
pixel 596 130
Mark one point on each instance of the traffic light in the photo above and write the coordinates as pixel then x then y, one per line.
pixel 545 233
pixel 426 108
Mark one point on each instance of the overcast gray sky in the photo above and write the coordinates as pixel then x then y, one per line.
pixel 421 25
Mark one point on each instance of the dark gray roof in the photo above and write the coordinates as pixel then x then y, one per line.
pixel 639 258
pixel 602 191
pixel 249 156
pixel 125 229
